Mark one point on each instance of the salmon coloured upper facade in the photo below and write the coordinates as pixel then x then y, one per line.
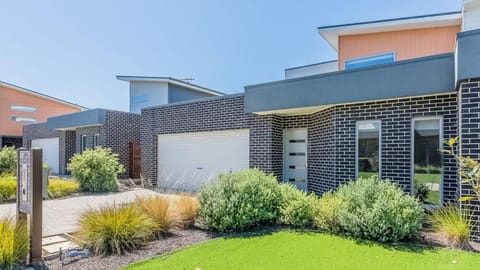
pixel 19 106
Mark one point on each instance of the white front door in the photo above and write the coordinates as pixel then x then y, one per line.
pixel 295 157
pixel 50 152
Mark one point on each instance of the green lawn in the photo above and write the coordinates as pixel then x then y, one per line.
pixel 424 178
pixel 292 250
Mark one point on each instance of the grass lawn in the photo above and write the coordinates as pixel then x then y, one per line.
pixel 292 250
pixel 424 178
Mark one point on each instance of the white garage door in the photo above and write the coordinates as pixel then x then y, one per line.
pixel 50 152
pixel 187 160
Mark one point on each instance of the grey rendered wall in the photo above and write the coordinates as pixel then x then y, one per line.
pixel 178 94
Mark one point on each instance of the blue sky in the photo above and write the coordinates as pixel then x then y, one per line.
pixel 74 49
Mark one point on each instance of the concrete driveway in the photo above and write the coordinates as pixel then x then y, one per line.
pixel 60 216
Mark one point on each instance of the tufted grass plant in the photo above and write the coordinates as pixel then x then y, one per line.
pixel 186 209
pixel 453 223
pixel 116 228
pixel 13 244
pixel 160 210
pixel 60 188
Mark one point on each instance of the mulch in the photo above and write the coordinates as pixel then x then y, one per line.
pixel 176 240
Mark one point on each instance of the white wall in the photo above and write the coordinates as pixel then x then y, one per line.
pixel 147 94
pixel 471 15
pixel 311 70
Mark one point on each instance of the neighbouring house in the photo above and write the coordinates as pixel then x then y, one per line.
pixel 64 135
pixel 398 88
pixel 19 106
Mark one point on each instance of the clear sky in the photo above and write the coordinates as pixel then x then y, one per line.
pixel 74 49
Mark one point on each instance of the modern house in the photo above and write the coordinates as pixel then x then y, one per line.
pixel 19 106
pixel 64 135
pixel 398 88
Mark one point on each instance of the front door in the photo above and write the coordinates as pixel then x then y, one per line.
pixel 295 157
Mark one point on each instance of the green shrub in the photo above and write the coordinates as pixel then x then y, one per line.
pixel 60 188
pixel 8 161
pixel 96 170
pixel 421 192
pixel 453 224
pixel 8 188
pixel 297 208
pixel 115 228
pixel 240 200
pixel 13 244
pixel 328 209
pixel 378 210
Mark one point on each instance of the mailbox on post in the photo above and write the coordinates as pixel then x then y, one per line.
pixel 29 198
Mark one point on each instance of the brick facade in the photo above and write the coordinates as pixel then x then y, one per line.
pixel 331 136
pixel 469 104
pixel 120 129
pixel 66 141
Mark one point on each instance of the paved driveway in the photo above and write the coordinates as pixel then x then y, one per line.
pixel 60 216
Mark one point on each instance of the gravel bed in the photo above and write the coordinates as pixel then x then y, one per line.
pixel 178 239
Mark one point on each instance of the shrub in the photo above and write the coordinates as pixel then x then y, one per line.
pixel 186 208
pixel 452 223
pixel 14 244
pixel 328 209
pixel 8 188
pixel 115 228
pixel 8 161
pixel 96 170
pixel 297 208
pixel 60 188
pixel 378 210
pixel 159 210
pixel 240 200
pixel 421 192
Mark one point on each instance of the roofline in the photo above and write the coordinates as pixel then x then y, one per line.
pixel 330 33
pixel 355 70
pixel 311 65
pixel 169 80
pixel 28 91
pixel 389 20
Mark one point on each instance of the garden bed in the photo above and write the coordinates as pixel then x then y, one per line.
pixel 176 240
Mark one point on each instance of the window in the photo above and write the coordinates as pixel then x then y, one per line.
pixel 95 140
pixel 19 108
pixel 368 148
pixel 83 143
pixel 426 157
pixel 23 119
pixel 369 60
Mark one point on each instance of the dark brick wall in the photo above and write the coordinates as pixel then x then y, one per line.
pixel 217 113
pixel 120 129
pixel 469 104
pixel 66 140
pixel 396 120
pixel 331 135
pixel 90 132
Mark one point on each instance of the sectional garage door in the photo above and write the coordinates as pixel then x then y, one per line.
pixel 187 160
pixel 50 152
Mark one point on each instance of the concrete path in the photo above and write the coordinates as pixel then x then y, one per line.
pixel 60 216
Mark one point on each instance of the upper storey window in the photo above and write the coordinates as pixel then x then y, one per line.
pixel 370 60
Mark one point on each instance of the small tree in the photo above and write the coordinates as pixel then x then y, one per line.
pixel 8 160
pixel 96 170
pixel 469 170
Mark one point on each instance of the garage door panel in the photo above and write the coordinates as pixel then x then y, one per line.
pixel 50 152
pixel 187 160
